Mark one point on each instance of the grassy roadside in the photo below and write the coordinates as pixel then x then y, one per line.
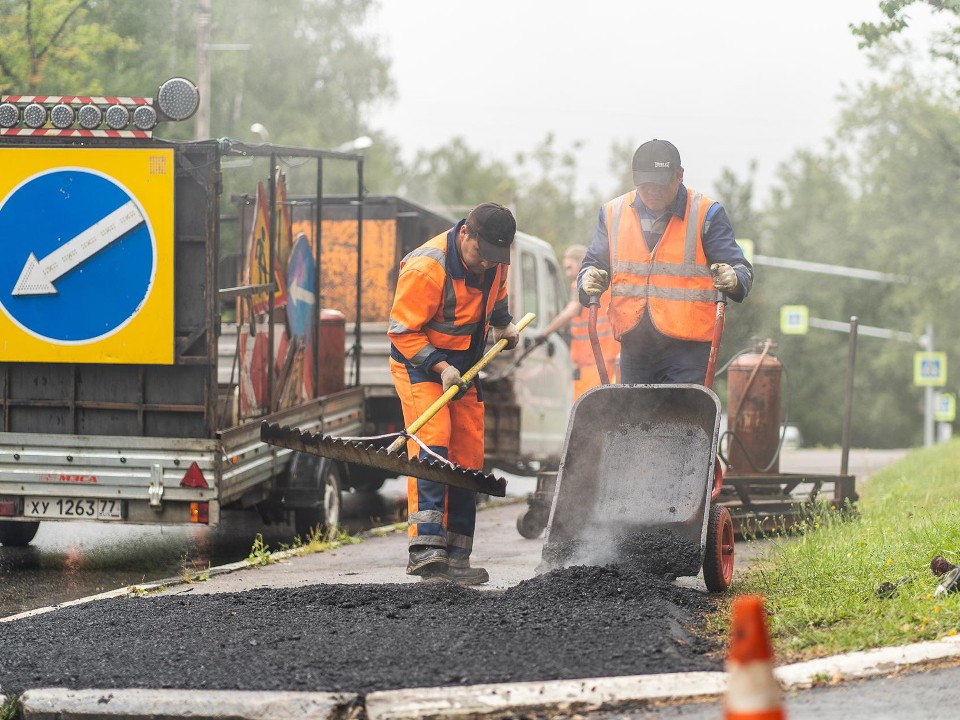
pixel 821 583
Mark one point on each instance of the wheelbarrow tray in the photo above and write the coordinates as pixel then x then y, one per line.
pixel 635 479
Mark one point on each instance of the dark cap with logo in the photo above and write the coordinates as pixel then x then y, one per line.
pixel 494 226
pixel 655 161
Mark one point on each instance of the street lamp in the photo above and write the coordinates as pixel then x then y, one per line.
pixel 261 131
pixel 360 143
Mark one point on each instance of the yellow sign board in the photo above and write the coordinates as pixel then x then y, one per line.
pixel 945 407
pixel 930 369
pixel 86 237
pixel 794 319
pixel 747 247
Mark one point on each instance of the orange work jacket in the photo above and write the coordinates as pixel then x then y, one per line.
pixel 438 309
pixel 581 351
pixel 673 282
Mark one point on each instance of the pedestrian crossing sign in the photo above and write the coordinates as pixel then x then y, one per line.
pixel 794 319
pixel 945 407
pixel 930 369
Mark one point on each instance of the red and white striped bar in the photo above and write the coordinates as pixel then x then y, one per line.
pixel 69 132
pixel 70 99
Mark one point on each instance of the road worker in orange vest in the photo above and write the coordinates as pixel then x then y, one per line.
pixel 585 372
pixel 664 251
pixel 450 292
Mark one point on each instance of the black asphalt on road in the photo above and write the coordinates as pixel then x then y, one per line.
pixel 349 620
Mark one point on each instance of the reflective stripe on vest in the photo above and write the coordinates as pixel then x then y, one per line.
pixel 673 281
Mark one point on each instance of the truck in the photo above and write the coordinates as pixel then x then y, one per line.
pixel 139 356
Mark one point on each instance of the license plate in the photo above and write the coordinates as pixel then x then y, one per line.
pixel 76 508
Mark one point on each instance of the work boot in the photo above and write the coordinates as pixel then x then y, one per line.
pixel 459 570
pixel 428 562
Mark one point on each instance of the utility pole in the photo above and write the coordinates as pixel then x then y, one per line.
pixel 203 69
pixel 928 400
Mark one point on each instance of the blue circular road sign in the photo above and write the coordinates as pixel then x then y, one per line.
pixel 79 256
pixel 301 295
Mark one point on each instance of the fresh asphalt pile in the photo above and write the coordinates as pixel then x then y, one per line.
pixel 570 623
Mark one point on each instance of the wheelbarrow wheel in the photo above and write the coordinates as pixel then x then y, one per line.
pixel 531 524
pixel 718 559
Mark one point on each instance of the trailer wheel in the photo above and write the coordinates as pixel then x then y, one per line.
pixel 326 516
pixel 531 523
pixel 17 534
pixel 718 558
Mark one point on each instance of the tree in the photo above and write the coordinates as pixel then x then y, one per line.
pixel 546 203
pixel 453 178
pixel 51 47
pixel 897 20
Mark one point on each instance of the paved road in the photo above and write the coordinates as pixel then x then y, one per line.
pixel 513 559
pixel 70 560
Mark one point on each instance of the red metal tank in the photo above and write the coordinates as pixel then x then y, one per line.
pixel 753 407
pixel 332 351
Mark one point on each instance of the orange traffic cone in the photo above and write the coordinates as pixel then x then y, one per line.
pixel 753 692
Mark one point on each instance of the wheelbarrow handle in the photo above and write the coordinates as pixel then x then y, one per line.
pixel 593 308
pixel 715 341
pixel 452 391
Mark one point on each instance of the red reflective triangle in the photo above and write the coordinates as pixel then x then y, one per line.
pixel 194 478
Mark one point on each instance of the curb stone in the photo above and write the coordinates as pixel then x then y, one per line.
pixel 459 702
pixel 866 663
pixel 60 704
pixel 566 696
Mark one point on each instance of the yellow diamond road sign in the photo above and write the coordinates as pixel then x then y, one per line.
pixel 794 319
pixel 930 369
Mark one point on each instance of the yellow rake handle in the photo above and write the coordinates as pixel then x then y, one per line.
pixel 453 390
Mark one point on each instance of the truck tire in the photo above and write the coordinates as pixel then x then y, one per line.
pixel 17 534
pixel 324 518
pixel 366 480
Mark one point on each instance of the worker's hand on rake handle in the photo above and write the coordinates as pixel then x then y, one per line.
pixel 724 277
pixel 595 281
pixel 509 333
pixel 450 377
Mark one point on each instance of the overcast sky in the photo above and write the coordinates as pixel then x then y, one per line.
pixel 727 81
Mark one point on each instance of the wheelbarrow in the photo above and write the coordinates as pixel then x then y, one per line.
pixel 638 476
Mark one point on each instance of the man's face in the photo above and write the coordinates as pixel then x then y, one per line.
pixel 470 252
pixel 659 197
pixel 570 268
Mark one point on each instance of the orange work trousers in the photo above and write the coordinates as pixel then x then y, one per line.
pixel 440 515
pixel 587 377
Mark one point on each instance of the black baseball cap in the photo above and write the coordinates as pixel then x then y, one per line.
pixel 495 227
pixel 655 162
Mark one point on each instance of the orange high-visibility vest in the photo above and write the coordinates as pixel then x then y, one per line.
pixel 581 351
pixel 673 281
pixel 433 310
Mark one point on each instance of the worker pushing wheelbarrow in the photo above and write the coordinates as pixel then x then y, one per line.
pixel 639 469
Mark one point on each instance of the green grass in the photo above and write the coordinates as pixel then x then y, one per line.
pixel 820 580
pixel 10 709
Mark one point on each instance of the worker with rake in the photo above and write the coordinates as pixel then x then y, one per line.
pixel 450 292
